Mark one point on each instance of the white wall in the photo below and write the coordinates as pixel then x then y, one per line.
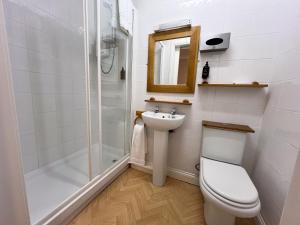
pixel 13 206
pixel 264 47
pixel 47 54
pixel 280 137
pixel 290 214
pixel 249 58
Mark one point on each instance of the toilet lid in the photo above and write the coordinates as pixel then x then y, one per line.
pixel 229 181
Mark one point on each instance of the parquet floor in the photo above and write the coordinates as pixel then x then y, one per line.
pixel 132 200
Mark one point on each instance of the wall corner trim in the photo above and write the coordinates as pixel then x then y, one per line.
pixel 260 220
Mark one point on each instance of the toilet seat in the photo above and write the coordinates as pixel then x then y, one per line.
pixel 229 181
pixel 229 187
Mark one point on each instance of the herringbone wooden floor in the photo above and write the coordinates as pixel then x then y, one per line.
pixel 132 200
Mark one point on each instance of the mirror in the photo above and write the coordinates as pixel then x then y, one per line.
pixel 172 60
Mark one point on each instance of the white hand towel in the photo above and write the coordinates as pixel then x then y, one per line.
pixel 139 145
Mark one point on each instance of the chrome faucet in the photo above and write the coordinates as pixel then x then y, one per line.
pixel 173 111
pixel 156 109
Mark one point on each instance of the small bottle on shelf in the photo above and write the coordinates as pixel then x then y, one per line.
pixel 205 71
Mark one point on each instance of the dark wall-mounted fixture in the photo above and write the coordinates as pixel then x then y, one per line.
pixel 213 43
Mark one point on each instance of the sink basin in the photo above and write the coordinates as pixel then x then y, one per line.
pixel 162 121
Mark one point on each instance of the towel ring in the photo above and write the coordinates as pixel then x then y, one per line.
pixel 138 116
pixel 136 119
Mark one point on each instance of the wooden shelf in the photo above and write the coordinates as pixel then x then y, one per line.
pixel 254 85
pixel 184 102
pixel 228 126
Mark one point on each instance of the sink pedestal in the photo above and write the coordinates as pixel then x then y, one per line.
pixel 161 123
pixel 160 157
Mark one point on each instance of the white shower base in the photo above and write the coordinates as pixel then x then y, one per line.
pixel 49 186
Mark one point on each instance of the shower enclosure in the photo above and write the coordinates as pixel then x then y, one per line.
pixel 71 70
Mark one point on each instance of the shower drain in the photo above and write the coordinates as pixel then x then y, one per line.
pixel 114 160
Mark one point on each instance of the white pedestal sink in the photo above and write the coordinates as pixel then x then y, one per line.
pixel 161 123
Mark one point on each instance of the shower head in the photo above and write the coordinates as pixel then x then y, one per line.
pixel 113 39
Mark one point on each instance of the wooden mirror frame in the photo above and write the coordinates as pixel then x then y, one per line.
pixel 189 87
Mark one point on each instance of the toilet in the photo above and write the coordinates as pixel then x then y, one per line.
pixel 227 188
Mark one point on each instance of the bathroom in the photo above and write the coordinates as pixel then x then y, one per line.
pixel 77 82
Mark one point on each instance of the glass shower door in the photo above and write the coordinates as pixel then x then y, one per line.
pixel 72 100
pixel 46 44
pixel 114 84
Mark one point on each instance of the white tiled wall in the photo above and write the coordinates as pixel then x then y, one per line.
pixel 47 56
pixel 249 58
pixel 264 47
pixel 280 137
pixel 290 213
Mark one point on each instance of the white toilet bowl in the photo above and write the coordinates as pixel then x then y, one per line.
pixel 228 192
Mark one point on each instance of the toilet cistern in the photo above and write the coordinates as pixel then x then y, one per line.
pixel 161 123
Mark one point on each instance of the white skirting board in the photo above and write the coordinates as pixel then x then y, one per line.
pixel 260 220
pixel 190 178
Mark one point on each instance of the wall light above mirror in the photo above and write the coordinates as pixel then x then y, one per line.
pixel 172 60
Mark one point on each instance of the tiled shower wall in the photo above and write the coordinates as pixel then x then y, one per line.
pixel 113 89
pixel 47 56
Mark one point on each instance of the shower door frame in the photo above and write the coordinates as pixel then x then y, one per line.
pixel 69 208
pixel 65 212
